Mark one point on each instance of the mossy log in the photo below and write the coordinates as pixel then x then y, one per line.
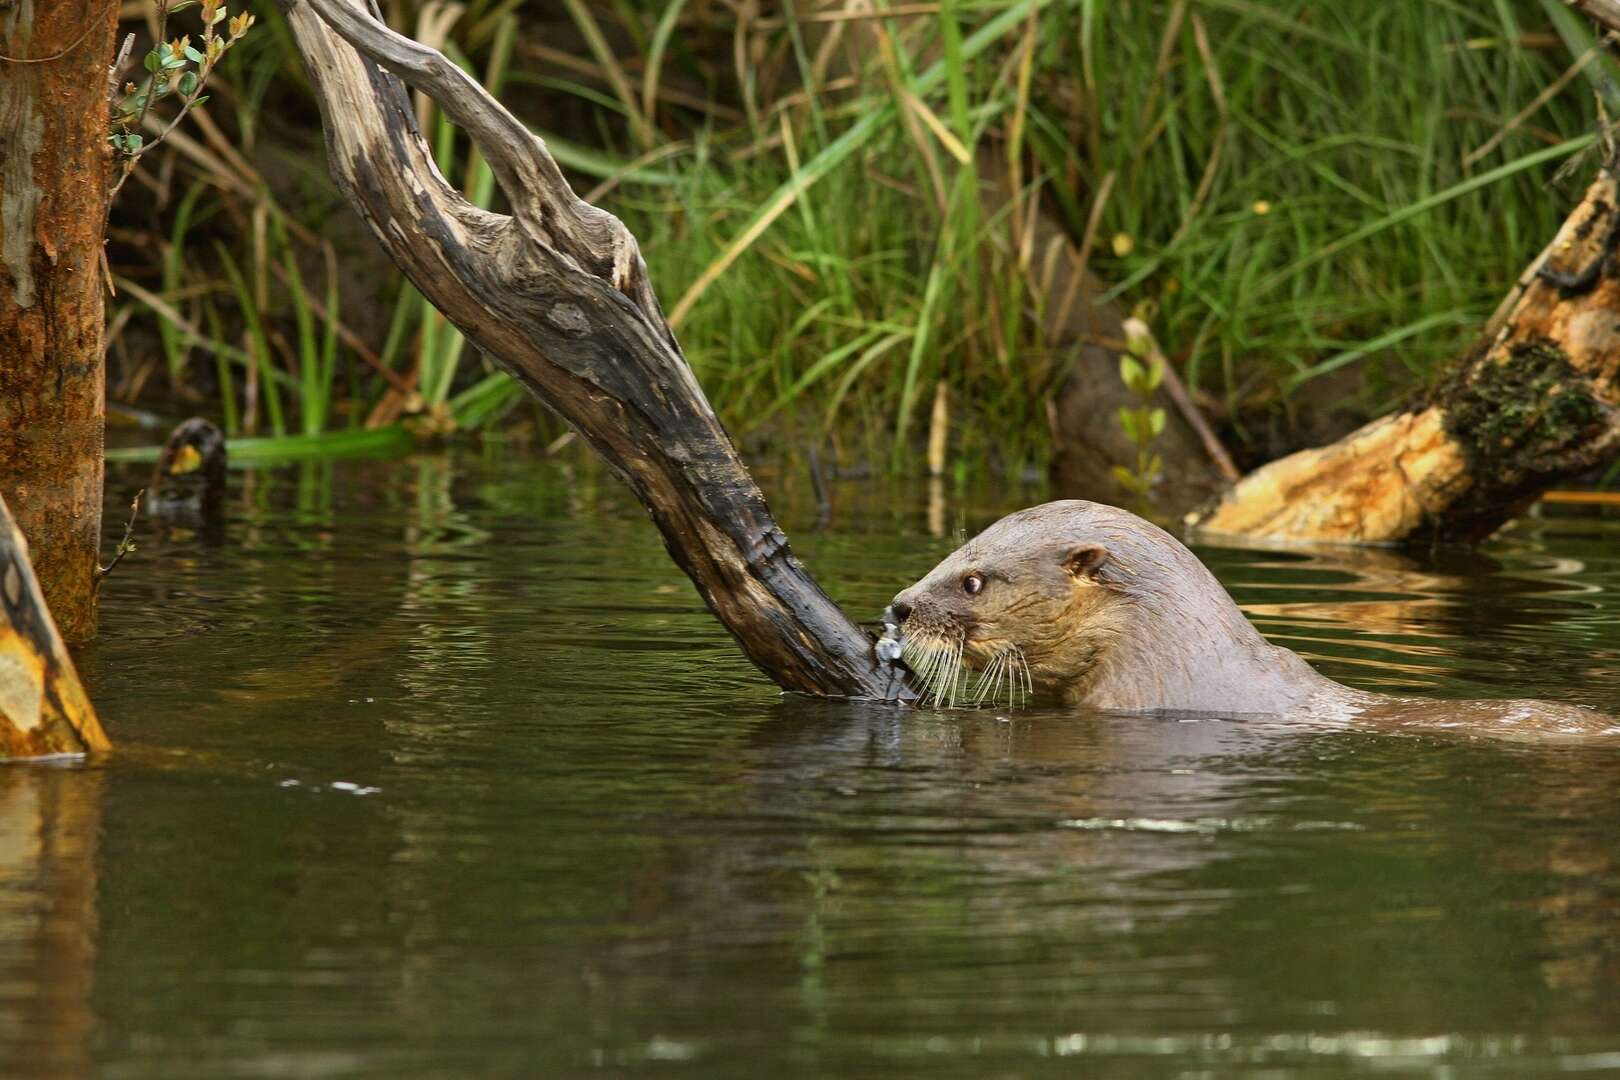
pixel 1535 402
pixel 43 709
pixel 557 293
pixel 53 193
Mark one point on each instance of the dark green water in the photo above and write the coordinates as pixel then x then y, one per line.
pixel 441 769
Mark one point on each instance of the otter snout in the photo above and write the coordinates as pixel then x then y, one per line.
pixel 915 613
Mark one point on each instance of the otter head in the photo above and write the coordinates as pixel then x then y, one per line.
pixel 1071 598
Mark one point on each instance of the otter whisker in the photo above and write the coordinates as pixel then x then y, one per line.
pixel 937 664
pixel 955 679
pixel 949 680
pixel 986 678
pixel 925 669
pixel 990 678
pixel 947 670
pixel 1027 689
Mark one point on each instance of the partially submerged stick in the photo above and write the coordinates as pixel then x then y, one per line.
pixel 43 709
pixel 557 294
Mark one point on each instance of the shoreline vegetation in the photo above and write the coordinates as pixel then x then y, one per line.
pixel 1313 209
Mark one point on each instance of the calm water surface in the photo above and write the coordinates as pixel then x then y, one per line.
pixel 440 768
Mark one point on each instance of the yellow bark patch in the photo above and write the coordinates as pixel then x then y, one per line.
pixel 1376 486
pixel 43 707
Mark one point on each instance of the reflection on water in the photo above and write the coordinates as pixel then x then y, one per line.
pixel 441 769
pixel 49 817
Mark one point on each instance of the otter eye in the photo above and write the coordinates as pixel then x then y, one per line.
pixel 972 584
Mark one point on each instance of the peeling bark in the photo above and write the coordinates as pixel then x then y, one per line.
pixel 1534 403
pixel 43 708
pixel 53 183
pixel 557 293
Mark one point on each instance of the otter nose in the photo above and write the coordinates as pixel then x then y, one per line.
pixel 900 610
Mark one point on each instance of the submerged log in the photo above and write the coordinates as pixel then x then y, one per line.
pixel 43 708
pixel 558 295
pixel 53 193
pixel 1535 402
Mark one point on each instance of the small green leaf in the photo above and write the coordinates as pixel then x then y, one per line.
pixel 1127 479
pixel 193 55
pixel 188 83
pixel 220 16
pixel 132 142
pixel 199 101
pixel 1156 421
pixel 153 61
pixel 1155 375
pixel 1130 372
pixel 1127 424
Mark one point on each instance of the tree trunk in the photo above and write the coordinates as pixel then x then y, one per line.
pixel 53 184
pixel 558 295
pixel 1534 403
pixel 43 709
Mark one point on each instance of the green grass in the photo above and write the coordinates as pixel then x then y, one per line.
pixel 1289 199
pixel 391 441
pixel 1336 230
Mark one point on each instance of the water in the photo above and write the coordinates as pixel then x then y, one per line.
pixel 440 768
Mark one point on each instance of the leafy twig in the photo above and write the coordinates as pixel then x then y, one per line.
pixel 1141 370
pixel 174 67
pixel 127 544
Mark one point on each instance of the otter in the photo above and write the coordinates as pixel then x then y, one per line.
pixel 1103 609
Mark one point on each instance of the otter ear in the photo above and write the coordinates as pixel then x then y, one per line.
pixel 1084 560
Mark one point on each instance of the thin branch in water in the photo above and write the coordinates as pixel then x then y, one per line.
pixel 127 544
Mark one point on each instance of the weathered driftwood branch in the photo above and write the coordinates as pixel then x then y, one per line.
pixel 43 709
pixel 1535 402
pixel 557 294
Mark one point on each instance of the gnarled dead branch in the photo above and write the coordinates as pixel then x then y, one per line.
pixel 557 294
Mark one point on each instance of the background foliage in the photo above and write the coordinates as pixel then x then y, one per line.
pixel 1315 204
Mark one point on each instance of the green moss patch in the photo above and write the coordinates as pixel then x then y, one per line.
pixel 1515 412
